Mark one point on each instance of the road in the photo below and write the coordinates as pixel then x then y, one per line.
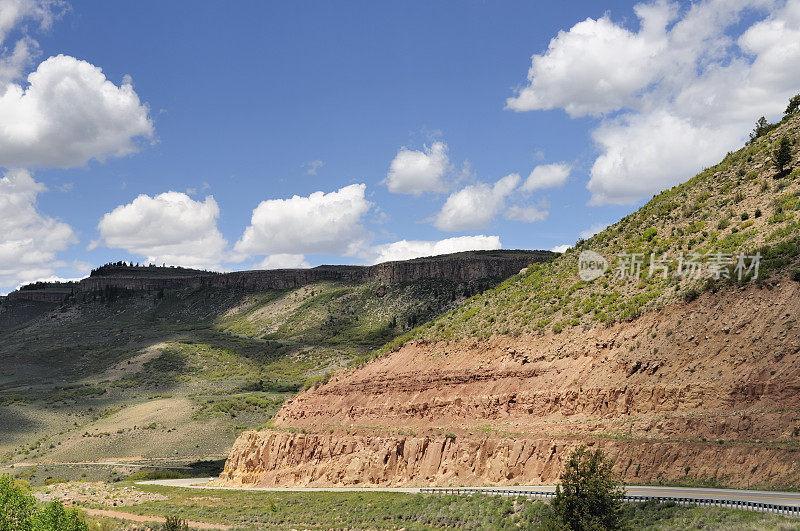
pixel 753 496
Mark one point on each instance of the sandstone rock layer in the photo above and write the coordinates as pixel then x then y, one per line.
pixel 707 390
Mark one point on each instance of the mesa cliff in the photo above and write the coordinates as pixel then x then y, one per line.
pixel 457 267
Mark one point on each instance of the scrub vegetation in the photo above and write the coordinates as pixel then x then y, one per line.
pixel 173 377
pixel 748 203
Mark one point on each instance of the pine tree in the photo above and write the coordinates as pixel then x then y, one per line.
pixel 782 157
pixel 758 130
pixel 589 496
pixel 794 105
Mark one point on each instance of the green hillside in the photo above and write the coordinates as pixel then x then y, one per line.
pixel 743 204
pixel 171 378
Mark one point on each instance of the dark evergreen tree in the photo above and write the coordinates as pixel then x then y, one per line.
pixel 589 496
pixel 758 130
pixel 794 105
pixel 782 157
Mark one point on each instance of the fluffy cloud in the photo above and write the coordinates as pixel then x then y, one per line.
pixel 68 114
pixel 65 114
pixel 475 206
pixel 644 153
pixel 560 248
pixel 12 12
pixel 528 214
pixel 284 261
pixel 547 176
pixel 168 228
pixel 596 66
pixel 319 223
pixel 415 172
pixel 14 61
pixel 30 239
pixel 673 96
pixel 406 250
pixel 15 15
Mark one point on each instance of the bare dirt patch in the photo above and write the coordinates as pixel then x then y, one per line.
pixel 97 492
pixel 147 519
pixel 131 366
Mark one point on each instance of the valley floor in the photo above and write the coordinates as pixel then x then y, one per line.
pixel 248 509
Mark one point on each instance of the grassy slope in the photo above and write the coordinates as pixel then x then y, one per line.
pixel 382 510
pixel 737 205
pixel 177 378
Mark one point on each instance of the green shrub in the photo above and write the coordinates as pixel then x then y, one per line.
pixel 18 511
pixel 796 275
pixel 174 523
pixel 691 294
pixel 589 495
pixel 16 505
pixel 157 473
pixel 55 517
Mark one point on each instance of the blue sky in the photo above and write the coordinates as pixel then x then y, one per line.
pixel 238 100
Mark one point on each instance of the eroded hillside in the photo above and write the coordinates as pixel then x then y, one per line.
pixel 681 379
pixel 173 374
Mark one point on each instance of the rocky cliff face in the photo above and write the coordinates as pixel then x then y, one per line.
pixel 54 296
pixel 282 459
pixel 708 389
pixel 458 267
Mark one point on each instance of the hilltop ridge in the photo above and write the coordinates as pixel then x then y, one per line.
pixel 459 267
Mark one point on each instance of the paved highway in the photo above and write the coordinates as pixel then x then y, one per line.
pixel 753 496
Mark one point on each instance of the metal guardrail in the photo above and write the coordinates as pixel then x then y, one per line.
pixel 787 510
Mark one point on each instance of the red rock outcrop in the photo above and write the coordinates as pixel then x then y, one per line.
pixel 280 459
pixel 709 389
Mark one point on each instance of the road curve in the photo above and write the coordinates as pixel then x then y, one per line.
pixel 752 496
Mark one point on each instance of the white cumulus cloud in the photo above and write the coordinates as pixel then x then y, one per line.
pixel 561 248
pixel 319 223
pixel 406 250
pixel 67 114
pixel 284 261
pixel 30 239
pixel 415 172
pixel 597 66
pixel 475 206
pixel 528 214
pixel 547 176
pixel 62 114
pixel 168 228
pixel 645 153
pixel 674 95
pixel 12 12
pixel 16 57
